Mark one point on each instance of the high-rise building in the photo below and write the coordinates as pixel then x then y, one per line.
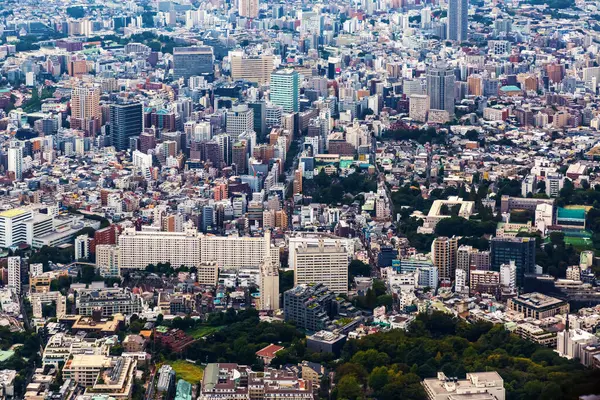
pixel 125 123
pixel 14 273
pixel 249 8
pixel 520 250
pixel 239 157
pixel 193 61
pixel 269 279
pixel 260 121
pixel 255 68
pixel 224 142
pixel 82 247
pixel 285 89
pixel 458 20
pixel 298 181
pixel 15 161
pixel 443 252
pixel 85 109
pixel 13 227
pixel 324 264
pixel 440 88
pixel 240 119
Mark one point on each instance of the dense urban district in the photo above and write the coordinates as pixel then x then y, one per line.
pixel 299 200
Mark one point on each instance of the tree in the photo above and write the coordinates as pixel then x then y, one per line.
pixel 349 388
pixel 378 378
pixel 358 268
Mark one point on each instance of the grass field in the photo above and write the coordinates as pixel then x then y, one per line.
pixel 202 331
pixel 580 243
pixel 187 371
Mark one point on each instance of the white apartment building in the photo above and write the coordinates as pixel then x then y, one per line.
pixel 137 249
pixel 236 252
pixel 82 247
pixel 14 273
pixel 322 264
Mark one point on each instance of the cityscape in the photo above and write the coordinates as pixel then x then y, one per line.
pixel 299 200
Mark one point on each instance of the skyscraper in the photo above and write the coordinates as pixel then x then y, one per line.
pixel 440 88
pixel 125 123
pixel 520 250
pixel 254 68
pixel 193 61
pixel 285 89
pixel 248 8
pixel 458 20
pixel 85 109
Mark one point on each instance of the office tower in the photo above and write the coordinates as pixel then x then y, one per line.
pixel 269 279
pixel 254 68
pixel 520 250
pixel 248 8
pixel 260 122
pixel 324 264
pixel 444 252
pixel 208 218
pixel 224 142
pixel 285 89
pixel 15 161
pixel 240 119
pixel 14 273
pixel 440 88
pixel 193 61
pixel 125 123
pixel 239 157
pixel 82 247
pixel 458 20
pixel 85 109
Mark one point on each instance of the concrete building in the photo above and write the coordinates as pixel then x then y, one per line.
pixel 193 61
pixel 479 385
pixel 537 305
pixel 138 249
pixel 253 68
pixel 240 119
pixel 322 264
pixel 82 247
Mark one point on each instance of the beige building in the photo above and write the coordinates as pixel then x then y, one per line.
pixel 443 255
pixel 85 109
pixel 326 264
pixel 255 68
pixel 248 8
pixel 207 273
pixel 418 107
